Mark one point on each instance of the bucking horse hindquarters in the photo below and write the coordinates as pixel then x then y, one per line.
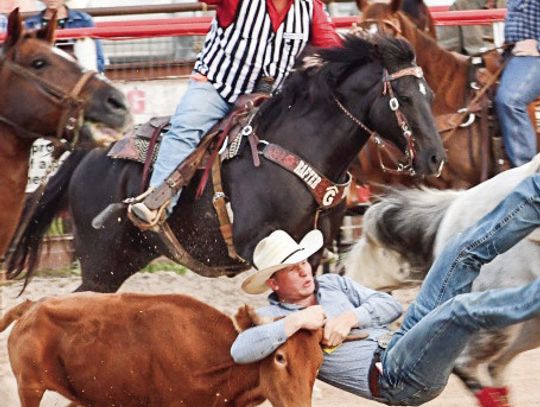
pixel 324 114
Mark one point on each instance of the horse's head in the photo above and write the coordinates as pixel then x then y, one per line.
pixel 45 93
pixel 399 102
pixel 388 18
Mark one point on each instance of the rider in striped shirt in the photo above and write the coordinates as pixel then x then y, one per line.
pixel 248 40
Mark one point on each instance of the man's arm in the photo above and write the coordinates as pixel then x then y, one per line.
pixel 372 308
pixel 323 31
pixel 258 342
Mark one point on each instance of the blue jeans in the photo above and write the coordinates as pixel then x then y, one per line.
pixel 520 85
pixel 200 108
pixel 444 316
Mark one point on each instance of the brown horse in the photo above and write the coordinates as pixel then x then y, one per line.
pixel 416 10
pixel 471 153
pixel 45 93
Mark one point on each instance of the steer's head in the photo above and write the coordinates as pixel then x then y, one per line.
pixel 286 377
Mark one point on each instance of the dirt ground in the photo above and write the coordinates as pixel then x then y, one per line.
pixel 224 293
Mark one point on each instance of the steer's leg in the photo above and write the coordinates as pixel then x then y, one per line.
pixel 30 397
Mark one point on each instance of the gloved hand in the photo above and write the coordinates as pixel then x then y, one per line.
pixel 526 48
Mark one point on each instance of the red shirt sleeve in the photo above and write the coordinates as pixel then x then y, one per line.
pixel 323 31
pixel 226 10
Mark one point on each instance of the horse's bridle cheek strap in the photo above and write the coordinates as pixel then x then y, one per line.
pixel 72 116
pixel 69 102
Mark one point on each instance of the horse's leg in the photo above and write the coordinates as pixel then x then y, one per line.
pixel 108 259
pixel 482 350
pixel 106 274
pixel 527 338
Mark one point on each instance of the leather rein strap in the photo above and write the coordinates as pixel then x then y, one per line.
pixel 70 102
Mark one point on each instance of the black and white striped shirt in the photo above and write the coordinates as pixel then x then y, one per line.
pixel 233 58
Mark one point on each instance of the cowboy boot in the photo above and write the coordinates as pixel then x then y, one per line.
pixel 150 208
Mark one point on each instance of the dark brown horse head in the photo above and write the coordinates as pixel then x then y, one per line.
pixel 46 93
pixel 386 18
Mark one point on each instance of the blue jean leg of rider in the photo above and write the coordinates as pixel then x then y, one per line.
pixel 418 345
pixel 520 85
pixel 200 108
pixel 417 367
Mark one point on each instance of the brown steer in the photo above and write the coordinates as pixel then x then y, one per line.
pixel 149 350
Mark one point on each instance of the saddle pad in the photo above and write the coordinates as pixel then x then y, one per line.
pixel 132 147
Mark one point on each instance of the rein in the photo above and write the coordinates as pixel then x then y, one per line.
pixel 71 104
pixel 410 153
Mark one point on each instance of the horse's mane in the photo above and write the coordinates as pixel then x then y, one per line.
pixel 407 220
pixel 316 83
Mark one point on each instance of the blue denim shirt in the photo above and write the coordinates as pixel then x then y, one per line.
pixel 522 20
pixel 75 19
pixel 347 367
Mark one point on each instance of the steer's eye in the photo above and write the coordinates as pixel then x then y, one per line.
pixel 279 358
pixel 39 63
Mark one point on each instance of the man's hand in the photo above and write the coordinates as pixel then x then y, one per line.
pixel 526 48
pixel 309 318
pixel 337 329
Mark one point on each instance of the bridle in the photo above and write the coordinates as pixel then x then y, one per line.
pixel 401 168
pixel 70 103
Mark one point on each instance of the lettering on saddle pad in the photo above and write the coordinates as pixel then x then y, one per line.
pixel 308 174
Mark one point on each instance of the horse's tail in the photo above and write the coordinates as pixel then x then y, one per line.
pixel 36 219
pixel 406 220
pixel 13 314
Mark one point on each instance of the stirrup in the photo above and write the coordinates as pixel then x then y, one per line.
pixel 155 225
pixel 140 223
pixel 138 198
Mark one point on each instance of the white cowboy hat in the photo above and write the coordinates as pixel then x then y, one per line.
pixel 276 251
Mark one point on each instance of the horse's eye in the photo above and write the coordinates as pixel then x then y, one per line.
pixel 405 99
pixel 39 64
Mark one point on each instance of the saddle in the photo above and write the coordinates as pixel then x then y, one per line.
pixel 142 143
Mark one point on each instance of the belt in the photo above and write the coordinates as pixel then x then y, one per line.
pixel 374 375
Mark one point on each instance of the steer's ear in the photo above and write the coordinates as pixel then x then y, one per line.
pixel 246 317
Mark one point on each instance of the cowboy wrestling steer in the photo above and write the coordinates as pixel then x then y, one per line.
pixel 150 350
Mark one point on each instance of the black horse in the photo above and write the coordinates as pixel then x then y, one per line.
pixel 318 115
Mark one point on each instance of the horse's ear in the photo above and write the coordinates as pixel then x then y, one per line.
pixel 15 29
pixel 362 4
pixel 47 33
pixel 395 5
